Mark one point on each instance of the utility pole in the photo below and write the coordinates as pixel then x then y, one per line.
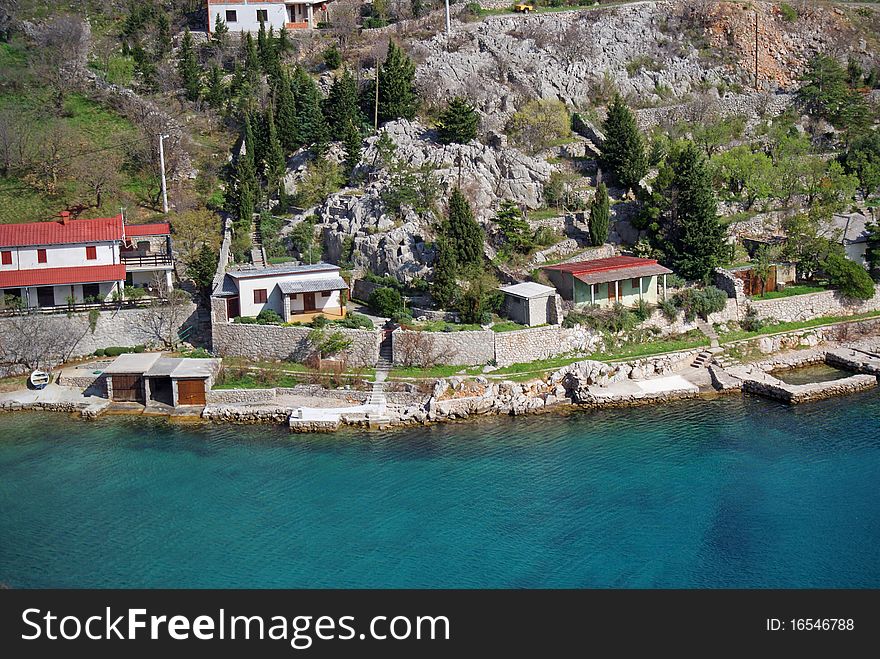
pixel 162 167
pixel 448 21
pixel 756 50
pixel 376 104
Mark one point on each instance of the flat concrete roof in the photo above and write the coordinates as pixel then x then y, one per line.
pixel 133 362
pixel 528 290
pixel 154 364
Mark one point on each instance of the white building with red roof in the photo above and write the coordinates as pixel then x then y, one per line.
pixel 64 262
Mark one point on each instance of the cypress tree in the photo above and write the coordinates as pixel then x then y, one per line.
pixel 341 106
pixel 352 141
pixel 216 92
pixel 221 32
pixel 246 185
pixel 163 35
pixel 260 132
pixel 444 285
pixel 463 232
pixel 250 57
pixel 623 152
pixel 458 122
pixel 397 96
pixel 263 47
pixel 312 129
pixel 695 237
pixel 188 67
pixel 286 119
pixel 599 216
pixel 275 162
pixel 283 43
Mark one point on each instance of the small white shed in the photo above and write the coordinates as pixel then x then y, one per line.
pixel 529 303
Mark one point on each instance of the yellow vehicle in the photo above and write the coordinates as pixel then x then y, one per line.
pixel 524 7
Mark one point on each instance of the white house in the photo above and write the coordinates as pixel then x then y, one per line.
pixel 294 292
pixel 853 235
pixel 246 15
pixel 64 262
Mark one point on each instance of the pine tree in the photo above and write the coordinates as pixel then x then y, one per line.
pixel 312 129
pixel 341 106
pixel 458 122
pixel 286 119
pixel 397 96
pixel 514 227
pixel 221 32
pixel 623 152
pixel 188 68
pixel 352 141
pixel 695 239
pixel 599 216
pixel 215 94
pixel 463 232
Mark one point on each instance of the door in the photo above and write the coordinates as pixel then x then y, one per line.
pixel 232 309
pixel 91 293
pixel 128 388
pixel 46 296
pixel 190 392
pixel 612 291
pixel 308 301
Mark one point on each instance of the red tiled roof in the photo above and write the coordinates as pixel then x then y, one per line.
pixel 105 229
pixel 601 265
pixel 157 229
pixel 88 274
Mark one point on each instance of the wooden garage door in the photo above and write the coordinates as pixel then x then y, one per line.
pixel 190 392
pixel 128 388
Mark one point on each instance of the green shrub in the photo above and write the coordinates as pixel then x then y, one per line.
pixel 669 310
pixel 100 352
pixel 356 321
pixel 849 277
pixel 245 320
pixel 573 318
pixel 386 301
pixel 140 348
pixel 750 321
pixel 789 14
pixel 269 317
pixel 402 318
pixel 642 310
pixel 700 302
pixel 320 321
pixel 115 351
pixel 546 236
pixel 332 57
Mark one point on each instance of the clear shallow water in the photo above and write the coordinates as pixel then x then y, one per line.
pixel 726 493
pixel 812 373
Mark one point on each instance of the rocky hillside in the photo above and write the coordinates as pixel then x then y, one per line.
pixel 654 53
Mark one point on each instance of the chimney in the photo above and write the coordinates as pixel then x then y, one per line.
pixel 65 217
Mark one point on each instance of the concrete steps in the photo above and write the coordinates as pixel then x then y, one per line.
pixel 703 359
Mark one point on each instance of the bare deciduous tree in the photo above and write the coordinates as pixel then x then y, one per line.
pixel 99 175
pixel 420 349
pixel 167 314
pixel 16 143
pixel 35 341
pixel 62 49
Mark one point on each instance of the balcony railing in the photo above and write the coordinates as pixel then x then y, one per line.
pixel 81 306
pixel 146 260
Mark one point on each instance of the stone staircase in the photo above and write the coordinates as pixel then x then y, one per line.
pixel 709 331
pixel 703 359
pixel 383 368
pixel 258 254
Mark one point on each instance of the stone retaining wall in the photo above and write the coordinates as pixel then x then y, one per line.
pixel 536 343
pixel 361 289
pixel 120 327
pixel 750 105
pixel 275 342
pixel 813 305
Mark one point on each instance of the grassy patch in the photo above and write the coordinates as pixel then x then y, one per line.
pixel 433 372
pixel 544 213
pixel 739 335
pixel 508 326
pixel 790 291
pixel 442 326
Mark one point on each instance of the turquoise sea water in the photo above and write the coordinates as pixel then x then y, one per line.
pixel 725 493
